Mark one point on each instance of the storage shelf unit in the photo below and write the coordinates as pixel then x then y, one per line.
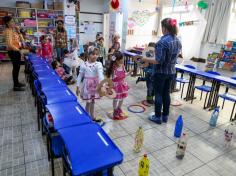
pixel 32 20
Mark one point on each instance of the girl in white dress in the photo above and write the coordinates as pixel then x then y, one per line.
pixel 92 73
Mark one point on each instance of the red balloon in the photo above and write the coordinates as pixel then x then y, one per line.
pixel 115 4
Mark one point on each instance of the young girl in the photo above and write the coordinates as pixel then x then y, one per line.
pixel 45 49
pixel 117 71
pixel 92 73
pixel 61 72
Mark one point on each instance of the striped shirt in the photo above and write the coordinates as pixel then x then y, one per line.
pixel 167 51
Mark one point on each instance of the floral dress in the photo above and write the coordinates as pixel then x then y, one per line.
pixel 119 84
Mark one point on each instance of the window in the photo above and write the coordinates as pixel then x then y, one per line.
pixel 232 24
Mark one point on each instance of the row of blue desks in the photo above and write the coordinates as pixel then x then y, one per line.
pixel 86 149
pixel 194 73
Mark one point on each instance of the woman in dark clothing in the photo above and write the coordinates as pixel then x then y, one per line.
pixel 167 51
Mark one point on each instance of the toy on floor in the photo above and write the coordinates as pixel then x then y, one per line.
pixel 181 147
pixel 229 131
pixel 145 103
pixel 143 169
pixel 178 127
pixel 105 89
pixel 214 117
pixel 138 144
pixel 140 108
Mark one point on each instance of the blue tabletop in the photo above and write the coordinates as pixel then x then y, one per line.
pixel 51 83
pixel 68 114
pixel 41 67
pixel 130 53
pixel 223 79
pixel 90 148
pixel 45 74
pixel 60 95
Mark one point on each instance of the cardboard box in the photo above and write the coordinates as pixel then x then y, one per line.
pixel 58 5
pixel 38 5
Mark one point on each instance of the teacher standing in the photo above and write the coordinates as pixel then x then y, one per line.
pixel 13 40
pixel 166 54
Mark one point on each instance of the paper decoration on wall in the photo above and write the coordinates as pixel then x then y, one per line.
pixel 115 4
pixel 130 32
pixel 131 23
pixel 187 23
pixel 140 17
pixel 202 5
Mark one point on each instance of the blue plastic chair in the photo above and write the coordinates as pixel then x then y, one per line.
pixel 230 97
pixel 205 88
pixel 183 80
pixel 54 144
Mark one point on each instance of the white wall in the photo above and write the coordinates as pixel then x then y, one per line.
pixel 142 35
pixel 93 6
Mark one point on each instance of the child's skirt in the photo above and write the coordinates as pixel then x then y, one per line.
pixel 89 89
pixel 121 88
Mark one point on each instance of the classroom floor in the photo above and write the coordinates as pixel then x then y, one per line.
pixel 23 150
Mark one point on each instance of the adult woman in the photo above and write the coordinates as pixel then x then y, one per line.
pixel 115 42
pixel 167 50
pixel 13 41
pixel 60 37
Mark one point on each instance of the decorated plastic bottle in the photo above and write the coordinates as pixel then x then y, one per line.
pixel 229 132
pixel 138 140
pixel 178 127
pixel 214 117
pixel 143 169
pixel 181 147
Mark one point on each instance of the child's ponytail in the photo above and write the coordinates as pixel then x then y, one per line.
pixel 115 57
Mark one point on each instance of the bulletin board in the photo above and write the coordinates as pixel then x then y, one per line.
pixel 90 25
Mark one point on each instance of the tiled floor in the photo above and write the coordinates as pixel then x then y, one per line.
pixel 23 150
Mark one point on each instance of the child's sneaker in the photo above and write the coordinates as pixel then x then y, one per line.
pixel 120 112
pixel 116 114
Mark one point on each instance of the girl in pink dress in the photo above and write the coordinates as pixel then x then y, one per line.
pixel 92 73
pixel 45 49
pixel 117 72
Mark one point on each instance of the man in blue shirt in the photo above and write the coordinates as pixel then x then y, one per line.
pixel 167 51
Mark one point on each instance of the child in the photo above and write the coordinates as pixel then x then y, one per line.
pixel 61 72
pixel 108 61
pixel 92 73
pixel 45 49
pixel 148 79
pixel 102 50
pixel 71 63
pixel 117 71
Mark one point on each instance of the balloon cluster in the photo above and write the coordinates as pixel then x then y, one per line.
pixel 202 4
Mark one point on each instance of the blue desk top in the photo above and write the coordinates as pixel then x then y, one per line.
pixel 222 79
pixel 130 53
pixel 45 74
pixel 68 114
pixel 41 67
pixel 58 96
pixel 90 148
pixel 51 83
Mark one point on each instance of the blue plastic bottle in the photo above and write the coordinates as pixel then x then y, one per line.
pixel 178 127
pixel 214 117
